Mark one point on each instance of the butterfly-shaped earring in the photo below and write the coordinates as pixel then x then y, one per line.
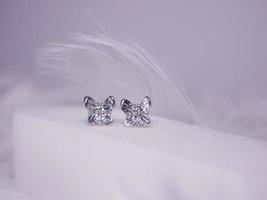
pixel 136 114
pixel 99 113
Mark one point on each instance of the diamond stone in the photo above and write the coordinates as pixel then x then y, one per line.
pixel 136 114
pixel 99 113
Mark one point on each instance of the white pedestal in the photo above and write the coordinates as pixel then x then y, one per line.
pixel 56 153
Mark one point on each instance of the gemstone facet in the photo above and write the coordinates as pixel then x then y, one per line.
pixel 99 113
pixel 136 114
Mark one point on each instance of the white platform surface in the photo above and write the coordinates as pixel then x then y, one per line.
pixel 57 154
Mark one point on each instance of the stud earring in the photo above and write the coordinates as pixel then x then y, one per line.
pixel 99 113
pixel 136 114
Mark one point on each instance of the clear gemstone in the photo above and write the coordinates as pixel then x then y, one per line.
pixel 99 113
pixel 137 114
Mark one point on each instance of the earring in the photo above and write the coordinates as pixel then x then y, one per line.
pixel 99 113
pixel 136 114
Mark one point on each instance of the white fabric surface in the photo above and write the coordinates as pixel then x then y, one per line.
pixel 56 154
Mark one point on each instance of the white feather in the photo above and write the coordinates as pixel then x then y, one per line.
pixel 100 66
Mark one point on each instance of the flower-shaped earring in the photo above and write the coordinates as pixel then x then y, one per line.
pixel 99 113
pixel 136 114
